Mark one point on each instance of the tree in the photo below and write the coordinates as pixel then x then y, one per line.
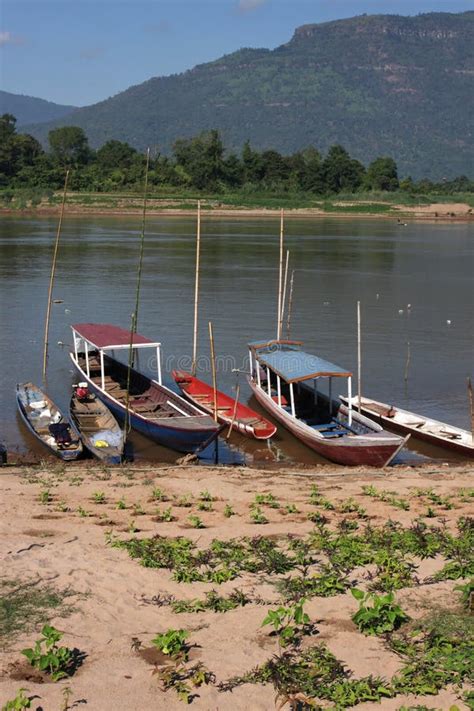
pixel 201 158
pixel 382 175
pixel 341 172
pixel 116 154
pixel 69 146
pixel 7 127
pixel 252 164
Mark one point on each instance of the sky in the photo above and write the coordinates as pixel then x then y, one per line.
pixel 82 51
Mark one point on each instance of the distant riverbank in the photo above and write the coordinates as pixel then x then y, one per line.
pixel 259 207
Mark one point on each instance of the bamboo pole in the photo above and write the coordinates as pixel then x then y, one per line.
pixel 283 300
pixel 51 279
pixel 196 288
pixel 290 303
pixel 213 365
pixel 359 357
pixel 471 406
pixel 280 278
pixel 236 401
pixel 142 241
pixel 126 427
pixel 407 363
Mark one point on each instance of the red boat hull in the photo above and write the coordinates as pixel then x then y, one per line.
pixel 246 421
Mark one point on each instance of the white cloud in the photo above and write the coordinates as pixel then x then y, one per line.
pixel 5 38
pixel 249 5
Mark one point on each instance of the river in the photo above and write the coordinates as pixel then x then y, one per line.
pixel 336 262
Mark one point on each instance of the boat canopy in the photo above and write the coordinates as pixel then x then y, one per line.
pixel 104 335
pixel 294 366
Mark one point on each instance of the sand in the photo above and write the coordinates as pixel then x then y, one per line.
pixel 111 592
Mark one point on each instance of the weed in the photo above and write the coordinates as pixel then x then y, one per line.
pixel 206 496
pixel 25 605
pixel 47 656
pixel 213 602
pixel 19 703
pixel 132 528
pixel 228 511
pixel 184 501
pixel 467 594
pixel 158 495
pixel 287 622
pixel 138 510
pixel 98 497
pixel 62 506
pixel 257 516
pixel 267 500
pixel 351 506
pixel 205 506
pixel 377 614
pixel 172 643
pixel 184 679
pixel 82 512
pixel 291 509
pixel 165 515
pixel 324 584
pixel 196 522
pixel 121 504
pixel 45 496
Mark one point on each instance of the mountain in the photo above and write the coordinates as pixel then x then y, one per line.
pixel 377 84
pixel 29 109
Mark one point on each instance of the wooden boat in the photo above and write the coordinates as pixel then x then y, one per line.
pixel 99 430
pixel 284 379
pixel 420 427
pixel 154 410
pixel 47 423
pixel 246 421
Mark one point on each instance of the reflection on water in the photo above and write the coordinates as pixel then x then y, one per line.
pixel 336 263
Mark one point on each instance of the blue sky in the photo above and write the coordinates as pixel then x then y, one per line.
pixel 82 51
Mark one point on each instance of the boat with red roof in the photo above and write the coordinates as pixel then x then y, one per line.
pixel 153 409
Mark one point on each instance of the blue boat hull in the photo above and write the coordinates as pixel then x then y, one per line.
pixel 179 439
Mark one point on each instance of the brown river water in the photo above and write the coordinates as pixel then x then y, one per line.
pixel 336 262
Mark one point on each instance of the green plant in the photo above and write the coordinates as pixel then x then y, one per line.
pixel 19 703
pixel 158 495
pixel 287 621
pixel 184 501
pixel 82 512
pixel 138 510
pixel 196 522
pixel 291 509
pixel 205 506
pixel 165 515
pixel 257 516
pixel 228 511
pixel 172 643
pixel 98 497
pixel 206 496
pixel 467 594
pixel 47 656
pixel 183 679
pixel 45 496
pixel 121 504
pixel 267 500
pixel 377 614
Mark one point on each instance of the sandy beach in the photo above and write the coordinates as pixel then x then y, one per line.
pixel 58 528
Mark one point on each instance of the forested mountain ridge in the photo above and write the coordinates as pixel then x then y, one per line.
pixel 379 85
pixel 30 109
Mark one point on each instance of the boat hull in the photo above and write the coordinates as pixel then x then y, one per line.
pixel 66 455
pixel 246 421
pixel 187 438
pixel 372 450
pixel 110 433
pixel 462 448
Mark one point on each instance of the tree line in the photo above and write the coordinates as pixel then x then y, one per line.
pixel 200 162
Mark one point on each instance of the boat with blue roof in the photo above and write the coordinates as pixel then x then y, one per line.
pixel 288 383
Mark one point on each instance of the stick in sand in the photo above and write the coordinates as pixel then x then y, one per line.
pixel 283 300
pixel 236 401
pixel 51 280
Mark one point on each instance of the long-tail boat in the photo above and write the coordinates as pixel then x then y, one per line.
pixel 100 432
pixel 153 409
pixel 420 427
pixel 242 418
pixel 285 380
pixel 47 423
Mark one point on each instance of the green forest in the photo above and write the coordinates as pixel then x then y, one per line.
pixel 200 163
